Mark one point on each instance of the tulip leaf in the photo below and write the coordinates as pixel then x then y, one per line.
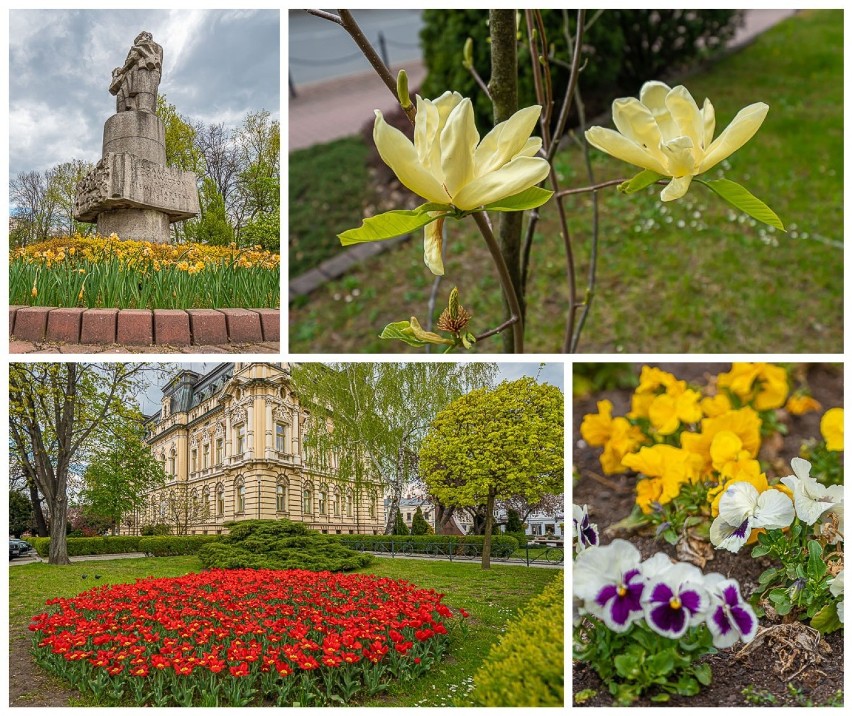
pixel 639 182
pixel 740 198
pixel 401 331
pixel 387 226
pixel 528 199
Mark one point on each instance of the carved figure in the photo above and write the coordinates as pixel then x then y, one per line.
pixel 135 83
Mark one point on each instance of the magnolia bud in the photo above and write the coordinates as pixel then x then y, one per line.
pixel 454 303
pixel 402 89
pixel 467 62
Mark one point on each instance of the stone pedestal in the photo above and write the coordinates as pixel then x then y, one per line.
pixel 141 134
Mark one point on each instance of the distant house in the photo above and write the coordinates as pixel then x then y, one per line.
pixel 458 525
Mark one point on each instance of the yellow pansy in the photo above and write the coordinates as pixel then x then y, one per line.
pixel 716 405
pixel 763 385
pixel 665 132
pixel 596 428
pixel 744 423
pixel 831 427
pixel 800 404
pixel 668 411
pixel 669 467
pixel 625 438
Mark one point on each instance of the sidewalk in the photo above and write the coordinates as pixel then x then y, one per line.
pixel 325 111
pixel 17 347
pixel 33 557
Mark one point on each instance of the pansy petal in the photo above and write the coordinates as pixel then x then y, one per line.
pixel 458 140
pixel 742 128
pixel 746 621
pixel 738 502
pixel 730 537
pixel 516 176
pixel 774 510
pixel 399 154
pixel 623 148
pixel 722 629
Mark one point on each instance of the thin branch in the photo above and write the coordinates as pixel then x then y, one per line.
pixel 572 84
pixel 330 16
pixel 476 76
pixel 505 280
pixel 494 331
pixel 587 189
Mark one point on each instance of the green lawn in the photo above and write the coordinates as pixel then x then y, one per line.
pixel 492 597
pixel 688 276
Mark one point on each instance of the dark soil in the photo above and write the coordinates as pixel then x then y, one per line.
pixel 610 498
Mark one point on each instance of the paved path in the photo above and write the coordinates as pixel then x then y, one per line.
pixel 16 346
pixel 338 108
pixel 33 557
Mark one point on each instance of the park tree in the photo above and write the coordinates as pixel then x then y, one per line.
pixel 494 443
pixel 20 513
pixel 419 525
pixel 33 207
pixel 62 183
pixel 373 416
pixel 399 526
pixel 58 414
pixel 121 473
pixel 184 509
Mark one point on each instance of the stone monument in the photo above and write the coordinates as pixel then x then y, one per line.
pixel 131 192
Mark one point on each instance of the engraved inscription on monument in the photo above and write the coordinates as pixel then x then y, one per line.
pixel 131 192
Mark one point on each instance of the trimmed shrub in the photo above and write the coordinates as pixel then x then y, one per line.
pixel 501 546
pixel 79 546
pixel 168 546
pixel 419 525
pixel 399 526
pixel 525 668
pixel 521 537
pixel 279 544
pixel 157 530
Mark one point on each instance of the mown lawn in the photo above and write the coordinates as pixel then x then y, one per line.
pixel 688 276
pixel 491 597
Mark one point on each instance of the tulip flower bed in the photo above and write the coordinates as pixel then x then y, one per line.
pixel 764 521
pixel 97 272
pixel 240 637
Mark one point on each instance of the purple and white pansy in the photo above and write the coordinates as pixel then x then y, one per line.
pixel 585 533
pixel 742 509
pixel 811 498
pixel 609 580
pixel 730 617
pixel 674 598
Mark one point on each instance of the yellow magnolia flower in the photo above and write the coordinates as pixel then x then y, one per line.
pixel 448 164
pixel 665 132
pixel 831 427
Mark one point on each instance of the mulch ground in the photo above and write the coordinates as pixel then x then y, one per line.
pixel 766 675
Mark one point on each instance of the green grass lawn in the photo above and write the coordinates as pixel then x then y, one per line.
pixel 688 276
pixel 492 598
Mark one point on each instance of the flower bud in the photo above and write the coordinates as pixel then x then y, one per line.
pixel 402 89
pixel 467 61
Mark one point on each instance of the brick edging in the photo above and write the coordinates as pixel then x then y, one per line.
pixel 142 327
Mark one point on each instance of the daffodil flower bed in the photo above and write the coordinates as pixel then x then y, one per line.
pixel 689 444
pixel 240 637
pixel 98 272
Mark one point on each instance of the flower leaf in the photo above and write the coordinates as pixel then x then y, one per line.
pixel 741 198
pixel 826 620
pixel 388 225
pixel 401 331
pixel 639 182
pixel 528 199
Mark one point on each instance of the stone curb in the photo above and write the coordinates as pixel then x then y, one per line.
pixel 189 327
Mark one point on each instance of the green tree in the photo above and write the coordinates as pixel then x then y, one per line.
pixel 62 183
pixel 20 513
pixel 58 413
pixel 181 150
pixel 120 475
pixel 399 526
pixel 374 415
pixel 212 226
pixel 495 443
pixel 419 525
pixel 513 521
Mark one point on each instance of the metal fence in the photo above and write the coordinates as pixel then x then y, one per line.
pixel 529 555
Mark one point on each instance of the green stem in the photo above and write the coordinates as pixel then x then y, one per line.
pixel 509 293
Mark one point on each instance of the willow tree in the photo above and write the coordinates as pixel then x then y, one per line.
pixel 58 414
pixel 496 443
pixel 373 416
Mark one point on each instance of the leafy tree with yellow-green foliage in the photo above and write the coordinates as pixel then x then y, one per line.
pixel 495 443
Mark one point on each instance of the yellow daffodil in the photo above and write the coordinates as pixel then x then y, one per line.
pixel 831 427
pixel 447 163
pixel 665 132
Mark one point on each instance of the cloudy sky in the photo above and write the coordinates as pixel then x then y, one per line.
pixel 218 65
pixel 552 373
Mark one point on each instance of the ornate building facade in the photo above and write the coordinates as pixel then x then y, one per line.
pixel 232 444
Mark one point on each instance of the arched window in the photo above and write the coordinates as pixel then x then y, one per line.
pixel 336 503
pixel 349 503
pixel 281 495
pixel 172 462
pixel 194 505
pixel 280 437
pixel 205 501
pixel 323 495
pixel 307 500
pixel 241 439
pixel 240 494
pixel 220 499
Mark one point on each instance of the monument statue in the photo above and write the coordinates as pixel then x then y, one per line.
pixel 135 84
pixel 131 192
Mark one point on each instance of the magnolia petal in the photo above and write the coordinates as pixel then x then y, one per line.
pixel 445 104
pixel 774 510
pixel 679 155
pixel 399 154
pixel 676 188
pixel 635 121
pixel 708 116
pixel 458 140
pixel 686 114
pixel 519 174
pixel 426 128
pixel 530 149
pixel 653 96
pixel 623 148
pixel 433 246
pixel 742 128
pixel 506 140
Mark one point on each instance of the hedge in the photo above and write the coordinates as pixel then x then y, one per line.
pixel 79 546
pixel 501 546
pixel 525 668
pixel 169 546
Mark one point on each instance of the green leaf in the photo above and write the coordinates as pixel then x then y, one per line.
pixel 387 226
pixel 640 181
pixel 816 565
pixel 660 697
pixel 528 199
pixel 703 673
pixel 401 331
pixel 661 663
pixel 741 198
pixel 826 619
pixel 759 551
pixel 626 665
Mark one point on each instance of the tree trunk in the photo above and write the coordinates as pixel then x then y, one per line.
pixel 58 521
pixel 489 524
pixel 38 513
pixel 503 87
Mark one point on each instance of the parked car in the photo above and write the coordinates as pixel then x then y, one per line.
pixel 18 547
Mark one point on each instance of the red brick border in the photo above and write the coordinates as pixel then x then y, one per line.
pixel 142 327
